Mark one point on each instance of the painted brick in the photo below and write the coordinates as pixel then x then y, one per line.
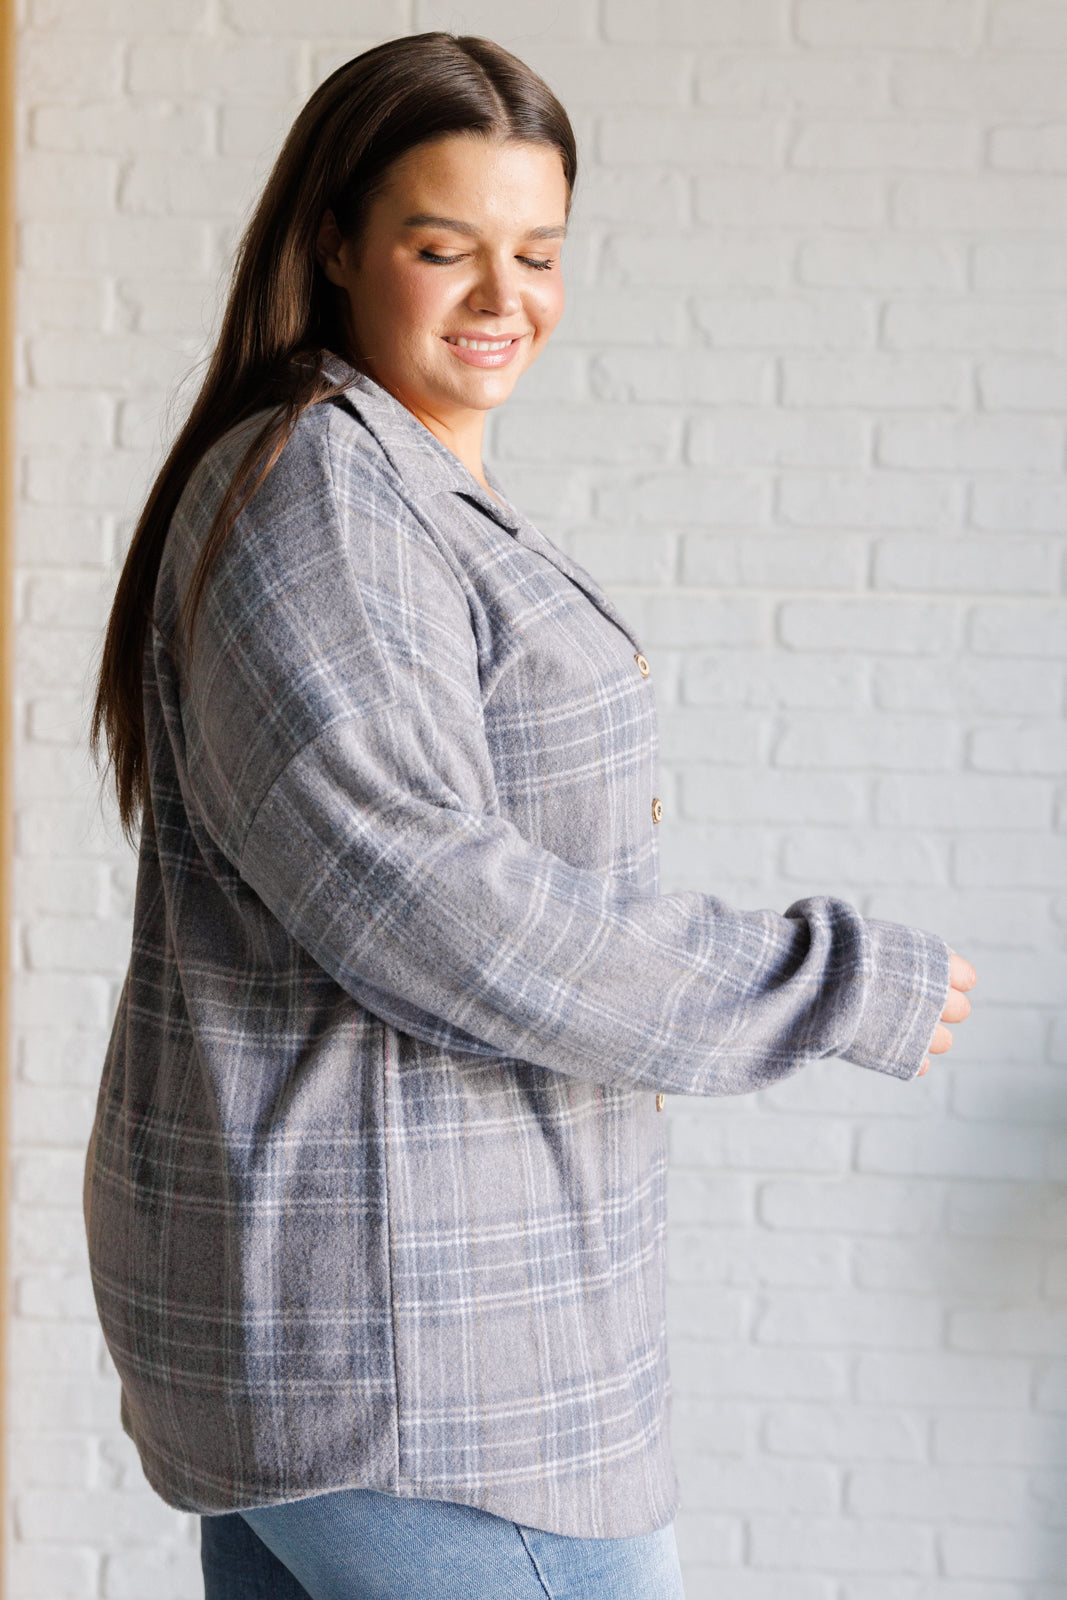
pixel 809 321
pixel 870 500
pixel 859 1204
pixel 943 1379
pixel 741 1372
pixel 267 17
pixel 596 317
pixel 779 438
pixel 747 678
pixel 742 22
pixel 1010 385
pixel 689 139
pixel 785 797
pixel 888 144
pixel 887 627
pixel 1029 149
pixel 881 380
pixel 69 1517
pixel 940 801
pixel 978 1436
pixel 827 858
pixel 1007 1211
pixel 971 444
pixel 623 434
pixel 966 1151
pixel 760 80
pixel 1000 688
pixel 588 75
pixel 1019 631
pixel 997 83
pixel 1028 25
pixel 855 1318
pixel 700 377
pixel 260 69
pixel 1037 748
pixel 736 740
pixel 985 202
pixel 977 1494
pixel 846 1433
pixel 713 1427
pixel 713 1540
pixel 66 1295
pixel 686 498
pixel 185 186
pixel 1003 1553
pixel 65 68
pixel 1026 566
pixel 519 24
pixel 698 257
pixel 766 1262
pixel 1016 266
pixel 175 129
pixel 792 200
pixel 881 261
pixel 888 24
pixel 694 1309
pixel 998 919
pixel 968 324
pixel 165 1573
pixel 828 1544
pixel 897 743
pixel 46 1570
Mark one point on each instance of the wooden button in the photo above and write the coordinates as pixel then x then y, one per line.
pixel 657 811
pixel 659 1102
pixel 642 665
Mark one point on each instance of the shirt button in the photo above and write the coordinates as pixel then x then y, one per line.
pixel 642 665
pixel 657 811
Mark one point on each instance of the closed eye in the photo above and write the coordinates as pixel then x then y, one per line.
pixel 450 261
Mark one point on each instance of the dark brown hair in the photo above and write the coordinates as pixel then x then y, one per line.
pixel 282 311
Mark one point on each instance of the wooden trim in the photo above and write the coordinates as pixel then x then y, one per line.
pixel 7 731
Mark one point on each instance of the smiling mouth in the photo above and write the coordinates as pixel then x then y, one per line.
pixel 481 344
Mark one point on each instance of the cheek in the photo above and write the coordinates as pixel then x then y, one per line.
pixel 546 304
pixel 417 299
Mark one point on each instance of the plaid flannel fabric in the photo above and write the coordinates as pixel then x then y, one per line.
pixel 375 1192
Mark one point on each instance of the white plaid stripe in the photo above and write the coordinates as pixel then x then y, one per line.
pixel 376 1189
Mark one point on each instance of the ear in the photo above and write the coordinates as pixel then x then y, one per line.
pixel 328 248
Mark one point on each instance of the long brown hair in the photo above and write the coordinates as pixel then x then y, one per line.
pixel 282 312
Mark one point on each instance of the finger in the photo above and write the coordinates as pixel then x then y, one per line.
pixel 941 1041
pixel 924 1069
pixel 957 1007
pixel 961 974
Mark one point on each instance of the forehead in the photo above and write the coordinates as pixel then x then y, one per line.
pixel 489 179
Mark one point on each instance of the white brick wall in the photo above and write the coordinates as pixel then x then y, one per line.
pixel 805 417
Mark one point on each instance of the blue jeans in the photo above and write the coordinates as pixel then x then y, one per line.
pixel 357 1544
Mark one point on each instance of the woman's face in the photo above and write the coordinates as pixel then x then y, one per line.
pixel 462 248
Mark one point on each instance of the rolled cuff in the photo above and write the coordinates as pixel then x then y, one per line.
pixel 906 994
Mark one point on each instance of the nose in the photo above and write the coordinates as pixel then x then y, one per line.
pixel 496 292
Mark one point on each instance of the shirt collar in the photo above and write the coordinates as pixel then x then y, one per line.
pixel 426 465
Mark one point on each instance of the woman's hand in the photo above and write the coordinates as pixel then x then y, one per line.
pixel 957 1007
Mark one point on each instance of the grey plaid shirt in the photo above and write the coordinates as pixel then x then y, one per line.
pixel 375 1192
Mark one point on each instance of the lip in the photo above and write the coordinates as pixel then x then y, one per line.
pixel 484 358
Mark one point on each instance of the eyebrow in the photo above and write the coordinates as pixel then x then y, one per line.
pixel 423 219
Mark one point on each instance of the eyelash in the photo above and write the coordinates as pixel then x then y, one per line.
pixel 450 261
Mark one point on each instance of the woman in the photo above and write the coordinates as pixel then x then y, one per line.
pixel 375 1189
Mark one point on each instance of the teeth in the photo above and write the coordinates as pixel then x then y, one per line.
pixel 481 344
